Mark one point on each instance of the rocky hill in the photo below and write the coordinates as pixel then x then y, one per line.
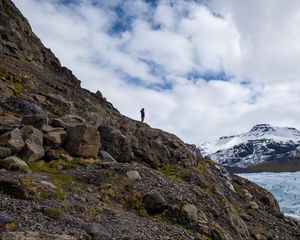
pixel 263 148
pixel 73 167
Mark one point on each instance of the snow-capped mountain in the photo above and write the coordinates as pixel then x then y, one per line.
pixel 264 145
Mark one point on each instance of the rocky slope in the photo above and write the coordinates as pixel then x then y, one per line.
pixel 263 148
pixel 73 167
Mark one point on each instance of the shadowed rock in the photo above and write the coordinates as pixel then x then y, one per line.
pixel 36 120
pixel 33 149
pixel 82 141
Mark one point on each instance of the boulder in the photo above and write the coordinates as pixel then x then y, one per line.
pixel 66 157
pixel 116 143
pixel 190 212
pixel 93 118
pixel 55 138
pixel 13 163
pixel 106 157
pixel 4 152
pixel 59 100
pixel 8 123
pixel 134 175
pixel 253 205
pixel 48 185
pixel 39 98
pixel 83 141
pixel 33 149
pixel 13 140
pixel 97 231
pixel 67 121
pixel 154 202
pixel 35 120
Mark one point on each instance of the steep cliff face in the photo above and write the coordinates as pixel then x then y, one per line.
pixel 76 166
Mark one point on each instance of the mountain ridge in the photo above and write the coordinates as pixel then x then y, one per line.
pixel 263 144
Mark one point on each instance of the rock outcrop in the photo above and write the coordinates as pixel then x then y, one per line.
pixel 145 183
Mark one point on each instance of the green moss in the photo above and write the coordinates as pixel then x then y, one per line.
pixel 62 180
pixel 133 200
pixel 58 194
pixel 174 171
pixel 239 190
pixel 42 166
pixel 53 212
pixel 112 187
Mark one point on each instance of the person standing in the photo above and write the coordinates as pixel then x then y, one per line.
pixel 142 114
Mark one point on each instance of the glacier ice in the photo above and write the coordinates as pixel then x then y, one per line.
pixel 284 186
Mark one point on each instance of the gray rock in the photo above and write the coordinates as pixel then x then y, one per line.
pixel 190 212
pixel 55 138
pixel 47 128
pixel 8 123
pixel 253 205
pixel 97 231
pixel 154 202
pixel 106 157
pixel 33 149
pixel 93 118
pixel 35 120
pixel 60 100
pixel 13 163
pixel 67 121
pixel 4 152
pixel 134 175
pixel 82 141
pixel 13 140
pixel 49 185
pixel 116 143
pixel 34 236
pixel 66 157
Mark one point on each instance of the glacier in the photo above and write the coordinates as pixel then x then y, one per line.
pixel 284 186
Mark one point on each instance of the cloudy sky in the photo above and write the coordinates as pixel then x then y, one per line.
pixel 201 69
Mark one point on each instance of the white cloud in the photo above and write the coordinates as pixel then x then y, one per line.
pixel 256 41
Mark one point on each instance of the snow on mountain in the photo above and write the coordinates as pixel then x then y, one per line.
pixel 284 186
pixel 261 144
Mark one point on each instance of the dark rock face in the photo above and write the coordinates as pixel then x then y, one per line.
pixel 4 152
pixel 195 198
pixel 83 141
pixel 36 120
pixel 154 202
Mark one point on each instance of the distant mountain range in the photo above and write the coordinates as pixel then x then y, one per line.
pixel 263 148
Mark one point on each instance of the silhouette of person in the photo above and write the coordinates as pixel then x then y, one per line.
pixel 142 114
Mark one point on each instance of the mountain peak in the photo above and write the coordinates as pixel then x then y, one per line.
pixel 262 128
pixel 263 143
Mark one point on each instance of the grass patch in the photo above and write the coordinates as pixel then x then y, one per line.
pixel 10 227
pixel 53 167
pixel 58 194
pixel 53 212
pixel 112 187
pixel 42 166
pixel 174 171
